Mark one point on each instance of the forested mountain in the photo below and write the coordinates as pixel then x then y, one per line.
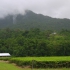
pixel 33 20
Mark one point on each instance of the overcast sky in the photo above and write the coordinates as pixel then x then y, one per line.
pixel 53 8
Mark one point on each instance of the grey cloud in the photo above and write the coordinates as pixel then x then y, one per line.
pixel 53 8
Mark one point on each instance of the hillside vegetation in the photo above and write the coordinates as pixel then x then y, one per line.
pixel 33 20
pixel 35 42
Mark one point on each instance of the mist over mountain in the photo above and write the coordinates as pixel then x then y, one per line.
pixel 32 20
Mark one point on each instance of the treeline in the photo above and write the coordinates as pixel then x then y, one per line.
pixel 35 42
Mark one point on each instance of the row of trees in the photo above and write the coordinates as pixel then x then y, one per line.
pixel 34 42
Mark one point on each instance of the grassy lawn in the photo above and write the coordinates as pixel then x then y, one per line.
pixel 8 66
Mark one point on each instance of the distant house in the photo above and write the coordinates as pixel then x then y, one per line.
pixel 54 33
pixel 4 55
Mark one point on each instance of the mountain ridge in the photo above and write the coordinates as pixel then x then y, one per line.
pixel 32 20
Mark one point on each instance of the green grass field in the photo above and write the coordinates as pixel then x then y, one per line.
pixel 8 66
pixel 57 58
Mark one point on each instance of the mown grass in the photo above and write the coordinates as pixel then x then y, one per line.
pixel 7 66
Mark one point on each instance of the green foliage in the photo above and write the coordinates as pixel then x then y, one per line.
pixel 35 42
pixel 42 62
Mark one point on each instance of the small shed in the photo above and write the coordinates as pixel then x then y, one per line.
pixel 4 55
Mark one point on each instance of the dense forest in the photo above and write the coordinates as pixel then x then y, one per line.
pixel 35 42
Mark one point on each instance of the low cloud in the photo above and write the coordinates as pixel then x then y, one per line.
pixel 53 8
